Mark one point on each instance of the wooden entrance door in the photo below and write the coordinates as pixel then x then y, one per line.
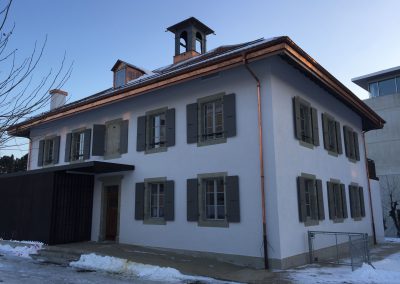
pixel 111 212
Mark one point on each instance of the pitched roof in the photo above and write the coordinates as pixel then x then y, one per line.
pixel 214 60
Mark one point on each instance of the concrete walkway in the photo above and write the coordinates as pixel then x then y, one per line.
pixel 199 265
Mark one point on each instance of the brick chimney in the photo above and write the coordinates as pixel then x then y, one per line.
pixel 57 98
pixel 190 38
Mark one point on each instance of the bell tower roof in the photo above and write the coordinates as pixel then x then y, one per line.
pixel 192 21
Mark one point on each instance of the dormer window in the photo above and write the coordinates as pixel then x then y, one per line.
pixel 125 72
pixel 120 78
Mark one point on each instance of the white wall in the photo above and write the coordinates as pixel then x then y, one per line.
pixel 377 210
pixel 292 159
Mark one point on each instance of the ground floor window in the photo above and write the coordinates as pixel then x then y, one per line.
pixel 357 206
pixel 310 199
pixel 337 201
pixel 156 199
pixel 214 198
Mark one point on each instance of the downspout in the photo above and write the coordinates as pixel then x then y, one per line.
pixel 261 157
pixel 369 189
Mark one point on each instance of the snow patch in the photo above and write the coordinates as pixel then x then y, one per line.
pixel 386 271
pixel 392 240
pixel 21 248
pixel 145 271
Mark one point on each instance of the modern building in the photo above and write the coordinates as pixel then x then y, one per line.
pixel 383 145
pixel 236 152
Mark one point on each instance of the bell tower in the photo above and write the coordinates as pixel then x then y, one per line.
pixel 190 38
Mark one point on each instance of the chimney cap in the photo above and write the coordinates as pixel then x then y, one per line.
pixel 58 91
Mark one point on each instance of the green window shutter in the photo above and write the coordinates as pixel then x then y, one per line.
pixel 315 134
pixel 325 130
pixel 87 134
pixel 230 115
pixel 320 199
pixel 192 123
pixel 67 155
pixel 192 200
pixel 169 210
pixel 40 153
pixel 56 142
pixel 170 127
pixel 124 134
pixel 331 200
pixel 301 198
pixel 338 138
pixel 356 146
pixel 352 202
pixel 141 134
pixel 232 198
pixel 362 204
pixel 346 141
pixel 344 200
pixel 139 201
pixel 99 136
pixel 297 118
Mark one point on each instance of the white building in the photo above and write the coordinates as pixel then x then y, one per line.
pixel 191 130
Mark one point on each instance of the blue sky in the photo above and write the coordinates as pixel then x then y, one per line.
pixel 348 38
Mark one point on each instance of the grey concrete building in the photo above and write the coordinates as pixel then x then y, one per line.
pixel 383 145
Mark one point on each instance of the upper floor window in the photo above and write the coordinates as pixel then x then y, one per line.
pixel 211 120
pixel 49 150
pixel 351 144
pixel 77 146
pixel 332 135
pixel 385 87
pixel 156 130
pixel 110 139
pixel 306 122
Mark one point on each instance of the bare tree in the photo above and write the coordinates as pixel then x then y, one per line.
pixel 391 200
pixel 20 95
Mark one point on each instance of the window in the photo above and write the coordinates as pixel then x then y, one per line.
pixel 306 122
pixel 384 87
pixel 310 200
pixel 156 191
pixel 337 201
pixel 212 126
pixel 49 149
pixel 211 120
pixel 110 139
pixel 357 206
pixel 77 148
pixel 183 42
pixel 351 144
pixel 332 135
pixel 387 87
pixel 213 200
pixel 120 77
pixel 154 201
pixel 156 131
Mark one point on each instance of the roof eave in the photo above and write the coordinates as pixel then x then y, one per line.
pixel 279 45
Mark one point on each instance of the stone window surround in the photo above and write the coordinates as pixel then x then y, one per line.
pixel 147 219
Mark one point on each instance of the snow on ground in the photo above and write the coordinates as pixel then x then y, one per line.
pixel 387 271
pixel 392 240
pixel 143 271
pixel 20 248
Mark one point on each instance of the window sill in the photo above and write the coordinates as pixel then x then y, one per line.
pixel 77 161
pixel 338 220
pixel 306 144
pixel 112 156
pixel 352 160
pixel 333 153
pixel 154 221
pixel 156 150
pixel 213 223
pixel 211 142
pixel 357 218
pixel 310 223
